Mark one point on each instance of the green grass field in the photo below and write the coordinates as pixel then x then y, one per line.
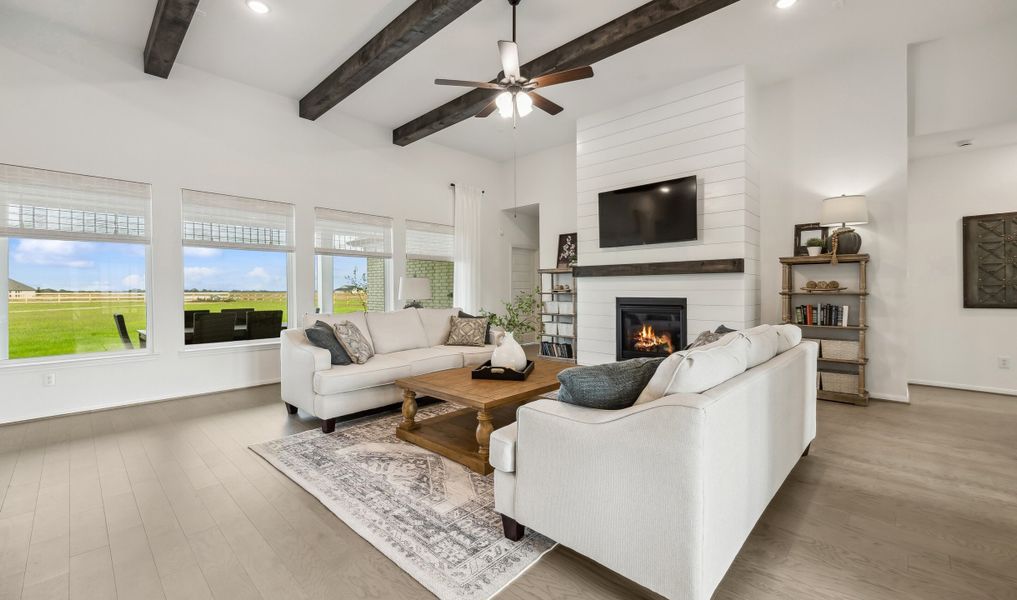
pixel 61 328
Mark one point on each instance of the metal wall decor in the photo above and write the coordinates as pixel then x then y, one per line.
pixel 990 261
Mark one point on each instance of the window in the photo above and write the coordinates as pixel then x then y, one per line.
pixel 73 264
pixel 236 261
pixel 353 254
pixel 429 254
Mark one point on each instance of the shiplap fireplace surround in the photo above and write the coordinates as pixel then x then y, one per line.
pixel 702 128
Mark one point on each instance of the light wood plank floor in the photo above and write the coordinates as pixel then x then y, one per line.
pixel 165 501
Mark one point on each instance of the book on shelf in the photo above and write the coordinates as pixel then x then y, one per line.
pixel 823 315
pixel 556 349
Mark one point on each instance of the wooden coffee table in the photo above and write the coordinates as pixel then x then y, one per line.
pixel 464 435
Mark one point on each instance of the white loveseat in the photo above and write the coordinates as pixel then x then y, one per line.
pixel 406 342
pixel 665 492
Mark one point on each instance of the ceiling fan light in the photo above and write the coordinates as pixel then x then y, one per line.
pixel 524 104
pixel 504 104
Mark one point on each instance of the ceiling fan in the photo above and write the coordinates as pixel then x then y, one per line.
pixel 517 97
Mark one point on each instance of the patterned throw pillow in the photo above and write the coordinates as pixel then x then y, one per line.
pixel 610 386
pixel 487 331
pixel 707 337
pixel 467 332
pixel 323 336
pixel 353 342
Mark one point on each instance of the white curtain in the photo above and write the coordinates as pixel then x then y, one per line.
pixel 466 288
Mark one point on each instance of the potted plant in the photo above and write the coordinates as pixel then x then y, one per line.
pixel 520 318
pixel 814 246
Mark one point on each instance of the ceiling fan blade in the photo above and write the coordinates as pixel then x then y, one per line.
pixel 509 59
pixel 487 110
pixel 475 84
pixel 544 104
pixel 562 77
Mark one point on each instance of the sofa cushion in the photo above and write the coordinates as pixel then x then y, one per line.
pixel 763 341
pixel 353 342
pixel 474 355
pixel 429 360
pixel 357 318
pixel 323 336
pixel 467 331
pixel 610 386
pixel 695 371
pixel 396 330
pixel 503 449
pixel 437 322
pixel 789 337
pixel 380 370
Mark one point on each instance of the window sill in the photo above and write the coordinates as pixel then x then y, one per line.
pixel 29 364
pixel 229 348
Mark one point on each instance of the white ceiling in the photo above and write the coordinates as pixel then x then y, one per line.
pixel 295 46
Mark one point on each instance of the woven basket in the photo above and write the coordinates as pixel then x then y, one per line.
pixel 845 383
pixel 839 349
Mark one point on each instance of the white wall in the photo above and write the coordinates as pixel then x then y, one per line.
pixel 548 179
pixel 698 128
pixel 76 105
pixel 964 81
pixel 950 345
pixel 843 130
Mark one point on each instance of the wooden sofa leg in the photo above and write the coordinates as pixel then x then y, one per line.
pixel 290 408
pixel 328 426
pixel 806 453
pixel 513 530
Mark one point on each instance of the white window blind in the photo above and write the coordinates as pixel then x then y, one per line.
pixel 221 221
pixel 344 233
pixel 429 241
pixel 49 204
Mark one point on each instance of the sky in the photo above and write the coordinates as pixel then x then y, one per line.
pixel 104 266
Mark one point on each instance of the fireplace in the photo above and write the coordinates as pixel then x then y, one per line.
pixel 649 327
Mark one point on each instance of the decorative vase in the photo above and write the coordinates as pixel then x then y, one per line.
pixel 814 250
pixel 509 354
pixel 848 241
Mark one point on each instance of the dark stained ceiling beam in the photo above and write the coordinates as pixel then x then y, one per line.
pixel 631 29
pixel 169 25
pixel 413 27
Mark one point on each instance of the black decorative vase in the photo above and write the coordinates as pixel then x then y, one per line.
pixel 848 242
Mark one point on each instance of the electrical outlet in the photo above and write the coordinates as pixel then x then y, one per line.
pixel 1003 362
pixel 49 380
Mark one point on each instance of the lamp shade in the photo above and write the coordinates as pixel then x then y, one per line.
pixel 844 210
pixel 414 288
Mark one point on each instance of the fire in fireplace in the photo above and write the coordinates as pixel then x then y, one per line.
pixel 648 327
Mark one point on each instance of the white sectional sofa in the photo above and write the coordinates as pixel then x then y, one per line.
pixel 406 342
pixel 665 492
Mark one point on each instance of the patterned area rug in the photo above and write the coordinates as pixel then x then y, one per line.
pixel 433 517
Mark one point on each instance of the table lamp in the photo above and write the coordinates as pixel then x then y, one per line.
pixel 414 289
pixel 841 211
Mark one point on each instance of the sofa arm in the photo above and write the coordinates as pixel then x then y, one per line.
pixel 299 360
pixel 624 487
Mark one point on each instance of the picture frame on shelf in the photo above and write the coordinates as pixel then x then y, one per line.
pixel 806 231
pixel 567 250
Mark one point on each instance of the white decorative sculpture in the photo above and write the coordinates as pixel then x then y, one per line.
pixel 509 354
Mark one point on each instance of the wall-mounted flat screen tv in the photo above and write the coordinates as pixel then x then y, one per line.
pixel 649 214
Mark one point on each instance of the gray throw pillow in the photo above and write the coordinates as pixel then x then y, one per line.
pixel 707 337
pixel 467 332
pixel 609 386
pixel 724 329
pixel 323 336
pixel 354 342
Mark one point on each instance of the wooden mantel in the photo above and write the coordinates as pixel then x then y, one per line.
pixel 684 267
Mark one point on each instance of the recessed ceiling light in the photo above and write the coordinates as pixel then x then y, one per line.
pixel 665 189
pixel 785 3
pixel 258 6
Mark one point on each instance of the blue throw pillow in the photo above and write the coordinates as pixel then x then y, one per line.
pixel 609 386
pixel 323 336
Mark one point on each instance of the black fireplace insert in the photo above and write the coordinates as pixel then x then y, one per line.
pixel 649 327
